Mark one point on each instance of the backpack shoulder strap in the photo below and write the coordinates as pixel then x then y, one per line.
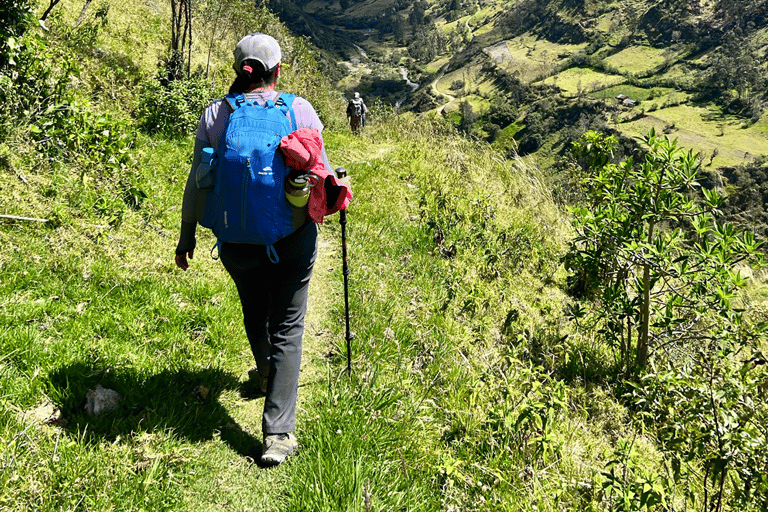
pixel 286 100
pixel 234 101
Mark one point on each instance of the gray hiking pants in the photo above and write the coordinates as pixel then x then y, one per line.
pixel 274 300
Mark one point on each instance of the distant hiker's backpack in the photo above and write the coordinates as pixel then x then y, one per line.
pixel 355 108
pixel 247 202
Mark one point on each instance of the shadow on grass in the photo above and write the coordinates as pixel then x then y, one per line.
pixel 184 402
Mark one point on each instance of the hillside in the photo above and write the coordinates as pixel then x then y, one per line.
pixel 518 345
pixel 693 69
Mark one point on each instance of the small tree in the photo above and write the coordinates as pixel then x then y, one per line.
pixel 468 116
pixel 181 39
pixel 662 272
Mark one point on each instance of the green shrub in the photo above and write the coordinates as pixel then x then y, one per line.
pixel 74 132
pixel 661 269
pixel 663 280
pixel 41 78
pixel 17 16
pixel 172 108
pixel 710 417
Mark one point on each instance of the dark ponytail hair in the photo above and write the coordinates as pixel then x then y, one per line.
pixel 252 73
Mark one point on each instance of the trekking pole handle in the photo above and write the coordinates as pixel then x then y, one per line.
pixel 341 172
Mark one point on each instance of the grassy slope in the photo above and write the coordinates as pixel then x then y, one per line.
pixel 462 396
pixel 417 426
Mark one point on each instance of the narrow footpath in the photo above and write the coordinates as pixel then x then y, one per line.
pixel 226 480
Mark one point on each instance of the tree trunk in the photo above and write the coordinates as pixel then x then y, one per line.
pixel 189 31
pixel 641 358
pixel 181 38
pixel 49 9
pixel 82 13
pixel 642 343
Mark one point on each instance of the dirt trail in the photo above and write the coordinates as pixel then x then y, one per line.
pixel 228 480
pixel 450 97
pixel 326 285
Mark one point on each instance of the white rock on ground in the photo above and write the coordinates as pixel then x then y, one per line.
pixel 101 400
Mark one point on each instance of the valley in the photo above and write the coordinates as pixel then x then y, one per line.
pixel 671 63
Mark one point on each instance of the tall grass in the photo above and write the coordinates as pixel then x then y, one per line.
pixel 454 258
pixel 453 253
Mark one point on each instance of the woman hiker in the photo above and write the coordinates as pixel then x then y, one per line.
pixel 273 294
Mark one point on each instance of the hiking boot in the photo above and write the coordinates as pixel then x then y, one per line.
pixel 277 447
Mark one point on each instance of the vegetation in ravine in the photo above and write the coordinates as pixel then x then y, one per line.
pixel 692 70
pixel 509 354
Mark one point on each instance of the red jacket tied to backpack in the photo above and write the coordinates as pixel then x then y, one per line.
pixel 301 149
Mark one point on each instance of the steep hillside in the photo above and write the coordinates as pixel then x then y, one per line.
pixel 691 69
pixel 508 355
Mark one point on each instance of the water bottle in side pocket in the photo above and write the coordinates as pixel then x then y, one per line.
pixel 206 171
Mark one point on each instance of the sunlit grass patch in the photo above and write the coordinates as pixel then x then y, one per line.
pixel 435 65
pixel 650 98
pixel 130 26
pixel 682 74
pixel 543 50
pixel 611 25
pixel 637 59
pixel 467 79
pixel 532 58
pixel 574 81
pixel 705 131
pixel 762 125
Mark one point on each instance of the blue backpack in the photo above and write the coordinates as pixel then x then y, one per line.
pixel 247 201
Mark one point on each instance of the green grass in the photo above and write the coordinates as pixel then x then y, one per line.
pixel 467 392
pixel 637 60
pixel 573 81
pixel 419 426
pixel 659 95
pixel 434 66
pixel 532 58
pixel 704 130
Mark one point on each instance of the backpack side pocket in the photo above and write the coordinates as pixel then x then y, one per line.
pixel 205 175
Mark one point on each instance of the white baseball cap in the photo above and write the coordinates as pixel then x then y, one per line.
pixel 260 47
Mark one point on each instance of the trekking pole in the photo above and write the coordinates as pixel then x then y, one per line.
pixel 342 173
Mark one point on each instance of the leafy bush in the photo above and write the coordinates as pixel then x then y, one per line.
pixel 662 270
pixel 502 111
pixel 17 16
pixel 75 132
pixel 172 108
pixel 711 418
pixel 663 276
pixel 40 79
pixel 101 146
pixel 628 487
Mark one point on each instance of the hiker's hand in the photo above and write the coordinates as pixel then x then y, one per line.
pixel 181 260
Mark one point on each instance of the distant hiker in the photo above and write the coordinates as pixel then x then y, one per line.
pixel 356 111
pixel 267 246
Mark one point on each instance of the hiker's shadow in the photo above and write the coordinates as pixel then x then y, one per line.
pixel 184 402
